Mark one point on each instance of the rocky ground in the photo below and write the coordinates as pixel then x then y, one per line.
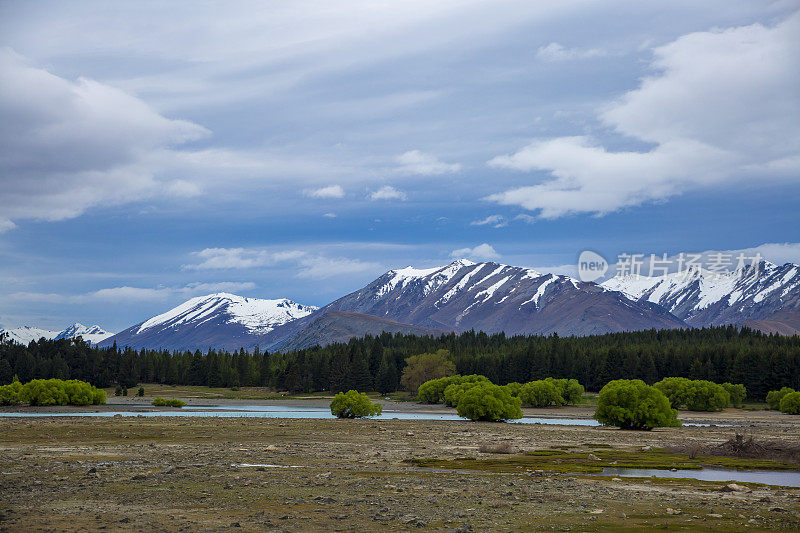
pixel 191 474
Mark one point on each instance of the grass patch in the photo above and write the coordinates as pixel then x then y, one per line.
pixel 561 461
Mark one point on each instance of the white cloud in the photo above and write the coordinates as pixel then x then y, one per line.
pixel 496 221
pixel 127 293
pixel 329 215
pixel 319 267
pixel 225 258
pixel 482 252
pixel 416 162
pixel 6 225
pixel 305 264
pixel 557 52
pixel 68 145
pixel 387 193
pixel 331 191
pixel 525 218
pixel 723 107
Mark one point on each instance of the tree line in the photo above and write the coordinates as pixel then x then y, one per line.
pixel 720 354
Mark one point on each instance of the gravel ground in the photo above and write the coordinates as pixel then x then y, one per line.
pixel 186 474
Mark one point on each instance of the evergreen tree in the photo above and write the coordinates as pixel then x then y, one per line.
pixel 387 379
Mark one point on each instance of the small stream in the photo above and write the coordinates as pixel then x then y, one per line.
pixel 767 477
pixel 278 411
pixel 285 411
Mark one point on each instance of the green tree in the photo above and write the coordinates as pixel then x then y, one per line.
pixel 489 402
pixel 632 404
pixel 790 403
pixel 386 380
pixel 360 375
pixel 9 394
pixel 424 367
pixel 570 390
pixel 774 397
pixel 352 404
pixel 540 393
pixel 737 392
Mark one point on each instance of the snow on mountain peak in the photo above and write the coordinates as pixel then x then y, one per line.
pixel 257 315
pixel 702 297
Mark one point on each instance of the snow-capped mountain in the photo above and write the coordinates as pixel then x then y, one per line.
pixel 702 298
pixel 492 297
pixel 26 334
pixel 219 320
pixel 91 334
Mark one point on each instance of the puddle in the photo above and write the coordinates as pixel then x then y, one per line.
pixel 767 477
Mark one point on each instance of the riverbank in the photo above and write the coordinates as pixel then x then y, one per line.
pixel 172 474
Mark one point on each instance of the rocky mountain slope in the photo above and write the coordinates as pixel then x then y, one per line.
pixel 26 334
pixel 340 326
pixel 492 297
pixel 702 298
pixel 222 320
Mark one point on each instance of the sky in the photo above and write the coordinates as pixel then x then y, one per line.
pixel 151 152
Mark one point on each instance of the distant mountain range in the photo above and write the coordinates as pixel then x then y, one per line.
pixel 464 295
pixel 26 334
pixel 702 298
pixel 457 297
pixel 222 320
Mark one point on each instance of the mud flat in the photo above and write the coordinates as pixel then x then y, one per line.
pixel 205 474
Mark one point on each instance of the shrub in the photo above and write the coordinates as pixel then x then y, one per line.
pixel 694 395
pixel 59 392
pixel 172 402
pixel 9 394
pixel 540 394
pixel 141 392
pixel 124 391
pixel 738 393
pixel 774 397
pixel 118 391
pixel 352 404
pixel 632 404
pixel 790 403
pixel 487 401
pixel 453 392
pixel 432 391
pixel 513 388
pixel 570 390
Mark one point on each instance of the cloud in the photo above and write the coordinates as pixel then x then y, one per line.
pixel 496 221
pixel 68 145
pixel 525 218
pixel 305 264
pixel 723 107
pixel 557 52
pixel 331 191
pixel 482 252
pixel 329 215
pixel 6 225
pixel 387 193
pixel 319 267
pixel 139 294
pixel 416 162
pixel 238 258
